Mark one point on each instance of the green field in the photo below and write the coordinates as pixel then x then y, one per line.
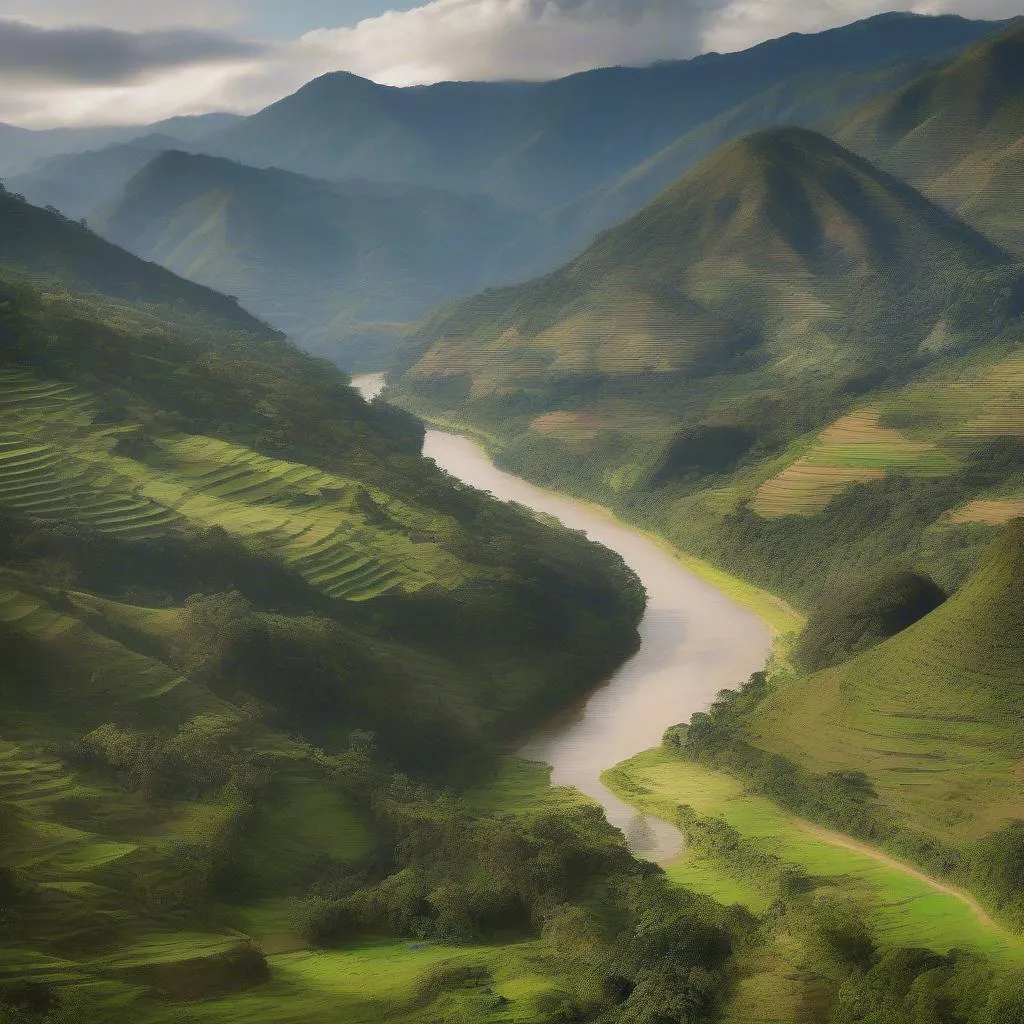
pixel 903 910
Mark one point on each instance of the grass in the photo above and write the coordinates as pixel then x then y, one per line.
pixel 903 910
pixel 390 980
pixel 930 715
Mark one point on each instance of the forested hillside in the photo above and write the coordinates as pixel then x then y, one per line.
pixel 247 632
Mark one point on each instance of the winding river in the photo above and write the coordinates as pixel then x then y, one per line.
pixel 694 642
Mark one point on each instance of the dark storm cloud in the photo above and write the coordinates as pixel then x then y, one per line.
pixel 105 56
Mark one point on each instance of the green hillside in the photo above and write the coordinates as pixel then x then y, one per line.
pixel 928 715
pixel 320 261
pixel 246 636
pixel 913 744
pixel 956 133
pixel 760 356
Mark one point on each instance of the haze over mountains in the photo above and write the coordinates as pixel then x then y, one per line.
pixel 313 258
pixel 562 161
pixel 260 659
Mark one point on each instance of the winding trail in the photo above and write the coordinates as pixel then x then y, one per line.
pixel 847 843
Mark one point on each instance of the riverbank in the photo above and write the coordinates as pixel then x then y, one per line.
pixel 904 906
pixel 773 610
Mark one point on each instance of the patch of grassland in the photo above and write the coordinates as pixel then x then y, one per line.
pixel 380 981
pixel 931 715
pixel 990 511
pixel 904 910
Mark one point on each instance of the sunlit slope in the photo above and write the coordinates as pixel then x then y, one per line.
pixel 57 462
pixel 921 430
pixel 781 260
pixel 931 715
pixel 957 133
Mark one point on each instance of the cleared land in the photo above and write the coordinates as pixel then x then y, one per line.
pixel 853 449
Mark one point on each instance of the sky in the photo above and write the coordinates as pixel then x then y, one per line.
pixel 76 62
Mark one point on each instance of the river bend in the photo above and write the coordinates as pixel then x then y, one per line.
pixel 694 642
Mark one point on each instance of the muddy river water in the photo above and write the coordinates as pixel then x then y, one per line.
pixel 694 642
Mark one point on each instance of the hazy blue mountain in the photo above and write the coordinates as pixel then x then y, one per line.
pixel 317 259
pixel 544 144
pixel 78 184
pixel 20 148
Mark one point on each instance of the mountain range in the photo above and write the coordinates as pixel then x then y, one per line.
pixel 559 162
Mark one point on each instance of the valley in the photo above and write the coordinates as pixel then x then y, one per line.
pixel 639 643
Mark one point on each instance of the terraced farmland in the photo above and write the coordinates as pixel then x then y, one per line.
pixel 58 463
pixel 853 449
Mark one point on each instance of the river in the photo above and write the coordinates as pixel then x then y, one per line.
pixel 694 642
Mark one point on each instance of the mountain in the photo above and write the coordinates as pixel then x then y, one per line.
pixel 546 144
pixel 81 184
pixel 317 260
pixel 246 633
pixel 775 257
pixel 956 133
pixel 20 148
pixel 766 365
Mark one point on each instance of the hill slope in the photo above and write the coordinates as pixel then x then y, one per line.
pixel 929 714
pixel 776 258
pixel 315 259
pixel 234 603
pixel 956 132
pixel 42 243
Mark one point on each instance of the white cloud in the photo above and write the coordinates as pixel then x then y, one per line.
pixel 444 39
pixel 493 39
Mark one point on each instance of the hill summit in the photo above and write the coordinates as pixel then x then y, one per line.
pixel 782 253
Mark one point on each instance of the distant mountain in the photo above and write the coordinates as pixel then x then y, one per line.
pixel 20 148
pixel 958 133
pixel 783 256
pixel 318 260
pixel 543 145
pixel 79 184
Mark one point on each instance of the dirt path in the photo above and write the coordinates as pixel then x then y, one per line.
pixel 846 843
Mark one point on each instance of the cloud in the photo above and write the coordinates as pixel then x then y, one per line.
pixel 68 75
pixel 103 56
pixel 494 39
